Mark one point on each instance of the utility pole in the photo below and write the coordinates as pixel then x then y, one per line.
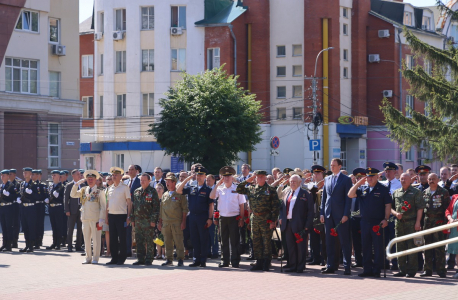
pixel 315 117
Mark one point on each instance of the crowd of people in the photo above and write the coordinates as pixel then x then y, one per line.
pixel 315 217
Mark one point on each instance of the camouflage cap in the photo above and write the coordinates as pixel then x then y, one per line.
pixel 171 176
pixel 260 172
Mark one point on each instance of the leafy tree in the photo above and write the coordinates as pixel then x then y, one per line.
pixel 208 118
pixel 438 128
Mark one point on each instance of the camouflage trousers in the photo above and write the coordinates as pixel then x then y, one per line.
pixel 407 264
pixel 144 237
pixel 261 235
pixel 439 252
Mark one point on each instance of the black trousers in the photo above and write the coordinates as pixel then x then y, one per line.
pixel 56 215
pixel 315 246
pixel 71 221
pixel 297 251
pixel 117 237
pixel 16 220
pixel 6 220
pixel 229 231
pixel 355 225
pixel 29 223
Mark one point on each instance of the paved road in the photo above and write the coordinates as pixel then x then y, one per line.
pixel 60 275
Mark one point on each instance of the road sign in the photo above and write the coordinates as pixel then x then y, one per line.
pixel 274 152
pixel 275 142
pixel 315 145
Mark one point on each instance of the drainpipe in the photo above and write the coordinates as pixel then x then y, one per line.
pixel 235 48
pixel 400 81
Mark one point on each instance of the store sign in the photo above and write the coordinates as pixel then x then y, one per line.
pixel 357 120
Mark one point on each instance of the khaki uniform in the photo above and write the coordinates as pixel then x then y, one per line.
pixel 173 206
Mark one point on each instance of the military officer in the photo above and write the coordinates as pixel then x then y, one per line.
pixel 200 214
pixel 422 185
pixel 375 209
pixel 8 195
pixel 265 205
pixel 40 207
pixel 317 235
pixel 355 221
pixel 144 216
pixel 29 196
pixel 16 208
pixel 437 199
pixel 56 209
pixel 172 220
pixel 64 180
pixel 407 207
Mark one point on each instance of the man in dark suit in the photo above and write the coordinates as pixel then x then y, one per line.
pixel 335 212
pixel 72 210
pixel 133 183
pixel 296 217
pixel 157 178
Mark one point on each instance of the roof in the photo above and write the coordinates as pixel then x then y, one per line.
pixel 224 17
pixel 85 26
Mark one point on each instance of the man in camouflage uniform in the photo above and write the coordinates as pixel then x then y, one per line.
pixel 437 199
pixel 265 205
pixel 408 208
pixel 145 214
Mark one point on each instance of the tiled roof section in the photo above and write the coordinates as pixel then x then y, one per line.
pixel 226 16
pixel 85 26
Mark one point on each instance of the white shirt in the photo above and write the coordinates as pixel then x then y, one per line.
pixel 395 184
pixel 117 199
pixel 229 201
pixel 154 182
pixel 293 201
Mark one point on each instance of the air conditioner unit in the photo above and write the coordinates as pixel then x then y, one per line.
pixel 118 35
pixel 383 33
pixel 451 39
pixel 58 50
pixel 176 31
pixel 387 93
pixel 98 36
pixel 374 58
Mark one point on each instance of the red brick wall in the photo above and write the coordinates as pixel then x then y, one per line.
pixel 9 12
pixel 86 84
pixel 21 141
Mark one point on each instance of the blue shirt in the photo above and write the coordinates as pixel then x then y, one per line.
pixel 372 203
pixel 198 199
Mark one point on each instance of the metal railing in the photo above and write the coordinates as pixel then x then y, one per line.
pixel 421 233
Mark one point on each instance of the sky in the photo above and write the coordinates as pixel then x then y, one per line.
pixel 86 6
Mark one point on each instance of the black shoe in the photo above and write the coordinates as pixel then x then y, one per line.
pixel 250 258
pixel 215 256
pixel 314 263
pixel 209 256
pixel 51 247
pixel 236 265
pixel 167 263
pixel 138 263
pixel 2 248
pixel 23 249
pixel 195 264
pixel 309 260
pixel 287 266
pixel 180 262
pixel 14 244
pixel 291 270
pixel 377 275
pixel 449 267
pixel 58 247
pixel 83 254
pixel 79 249
pixel 36 247
pixel 69 249
pixel 148 263
pixel 426 274
pixel 300 271
pixel 399 274
pixel 266 265
pixel 356 265
pixel 120 263
pixel 394 268
pixel 259 265
pixel 347 272
pixel 203 265
pixel 410 275
pixel 223 265
pixel 366 274
pixel 322 264
pixel 30 250
pixel 327 271
pixel 111 263
pixel 322 269
pixel 442 275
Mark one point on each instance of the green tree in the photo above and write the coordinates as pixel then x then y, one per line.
pixel 438 128
pixel 208 118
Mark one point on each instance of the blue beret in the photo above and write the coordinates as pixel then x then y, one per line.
pixel 65 172
pixel 81 170
pixel 62 173
pixel 5 172
pixel 55 172
pixel 13 171
pixel 27 169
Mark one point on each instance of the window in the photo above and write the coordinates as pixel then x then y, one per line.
pixel 428 67
pixel 54 84
pixel 345 29
pixel 54 30
pixel 28 21
pixel 409 154
pixel 101 64
pixel 297 113
pixel 408 18
pixel 345 72
pixel 426 23
pixel 213 58
pixel 121 105
pixel 101 107
pixel 101 22
pixel 297 91
pixel 120 61
pixel 120 161
pixel 89 162
pixel 120 24
pixel 148 18
pixel 297 71
pixel 281 71
pixel 148 105
pixel 87 64
pixel 345 54
pixel 178 59
pixel 427 109
pixel 281 113
pixel 21 75
pixel 345 12
pixel 410 62
pixel 88 108
pixel 179 16
pixel 409 105
pixel 281 51
pixel 297 50
pixel 53 145
pixel 281 91
pixel 148 60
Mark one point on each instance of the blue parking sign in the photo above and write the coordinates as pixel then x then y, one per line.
pixel 315 145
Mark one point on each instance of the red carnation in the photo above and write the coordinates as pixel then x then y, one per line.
pixel 438 222
pixel 409 206
pixel 405 202
pixel 246 214
pixel 445 231
pixel 316 231
pixel 297 235
pixel 299 240
pixel 269 221
pixel 333 232
pixel 216 215
pixel 238 218
pixel 404 208
pixel 378 233
pixel 247 221
pixel 376 228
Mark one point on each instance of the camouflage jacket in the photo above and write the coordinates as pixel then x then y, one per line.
pixel 437 203
pixel 412 197
pixel 145 205
pixel 262 199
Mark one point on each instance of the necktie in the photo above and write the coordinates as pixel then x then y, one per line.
pixel 288 203
pixel 90 190
pixel 333 182
pixel 389 187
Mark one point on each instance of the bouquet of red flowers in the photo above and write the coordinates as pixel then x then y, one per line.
pixel 216 215
pixel 247 221
pixel 377 228
pixel 316 231
pixel 298 236
pixel 334 230
pixel 238 218
pixel 269 221
pixel 406 206
pixel 246 213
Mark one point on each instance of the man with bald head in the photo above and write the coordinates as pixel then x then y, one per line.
pixel 407 207
pixel 437 199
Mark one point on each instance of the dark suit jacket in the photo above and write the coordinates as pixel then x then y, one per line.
pixel 336 204
pixel 302 215
pixel 71 204
pixel 162 181
pixel 135 185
